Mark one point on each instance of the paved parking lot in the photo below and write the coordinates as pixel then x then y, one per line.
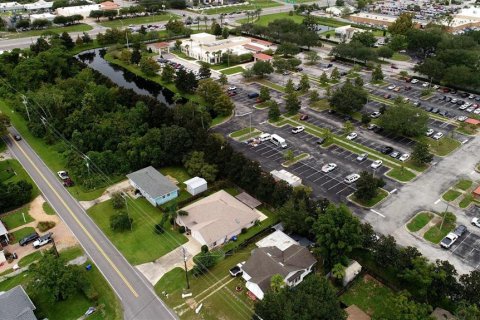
pixel 467 248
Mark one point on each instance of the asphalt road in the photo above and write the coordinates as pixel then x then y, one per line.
pixel 137 297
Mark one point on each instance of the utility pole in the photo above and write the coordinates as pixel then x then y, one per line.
pixel 124 196
pixel 25 103
pixel 86 158
pixel 444 214
pixel 185 265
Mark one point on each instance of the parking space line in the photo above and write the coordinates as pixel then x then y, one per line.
pixel 376 212
pixel 334 186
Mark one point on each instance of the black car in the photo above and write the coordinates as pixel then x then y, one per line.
pixel 377 129
pixel 429 109
pixel 17 137
pixel 252 95
pixel 465 95
pixel 460 102
pixel 460 230
pixel 435 110
pixel 448 99
pixel 31 237
pixel 444 98
pixel 386 150
pixel 236 271
pixel 320 141
pixel 443 113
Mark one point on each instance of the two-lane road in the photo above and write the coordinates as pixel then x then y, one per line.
pixel 138 299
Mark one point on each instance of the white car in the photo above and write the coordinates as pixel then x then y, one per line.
pixel 414 81
pixel 391 87
pixel 471 109
pixel 404 157
pixel 352 136
pixel 375 114
pixel 476 222
pixel 463 118
pixel 477 111
pixel 449 240
pixel 376 164
pixel 264 137
pixel 435 87
pixel 329 167
pixel 43 240
pixel 425 84
pixel 351 178
pixel 429 132
pixel 298 129
pixel 63 175
pixel 454 100
pixel 232 88
pixel 438 136
pixel 467 104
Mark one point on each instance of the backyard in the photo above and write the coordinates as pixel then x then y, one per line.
pixel 12 171
pixel 16 218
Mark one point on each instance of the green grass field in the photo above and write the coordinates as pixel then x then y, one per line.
pixel 435 234
pixel 382 194
pixel 264 20
pixel 32 257
pixel 118 23
pixel 451 195
pixel 400 174
pixel 48 209
pixel 400 57
pixel 467 199
pixel 142 244
pixel 464 184
pixel 16 218
pixel 419 221
pixel 12 171
pixel 441 147
pixel 232 70
pixel 21 233
pixel 254 4
pixel 34 33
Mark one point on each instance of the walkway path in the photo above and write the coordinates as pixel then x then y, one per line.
pixel 107 195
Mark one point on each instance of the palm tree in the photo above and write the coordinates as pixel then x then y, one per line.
pixel 276 283
pixel 222 15
pixel 197 20
pixel 205 20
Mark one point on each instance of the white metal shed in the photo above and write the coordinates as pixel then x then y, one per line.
pixel 196 185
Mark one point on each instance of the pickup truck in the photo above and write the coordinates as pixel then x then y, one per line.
pixel 449 240
pixel 43 240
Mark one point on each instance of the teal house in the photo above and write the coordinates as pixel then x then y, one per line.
pixel 153 185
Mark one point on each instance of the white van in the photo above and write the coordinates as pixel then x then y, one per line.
pixel 279 141
pixel 264 137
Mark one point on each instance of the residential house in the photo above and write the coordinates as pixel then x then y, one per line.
pixel 216 219
pixel 15 304
pixel 154 186
pixel 293 264
pixel 3 235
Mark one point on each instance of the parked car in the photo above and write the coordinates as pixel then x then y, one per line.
pixel 404 157
pixel 449 240
pixel 362 157
pixel 471 109
pixel 462 118
pixel 43 240
pixel 476 222
pixel 68 183
pixel 304 117
pixel 454 100
pixel 387 96
pixel 395 154
pixel 377 129
pixel 471 96
pixel 448 99
pixel 264 137
pixel 425 84
pixel 393 66
pixel 376 164
pixel 435 110
pixel 352 136
pixel 438 136
pixel 460 230
pixel 253 95
pixel 351 178
pixel 329 167
pixel 236 271
pixel 298 129
pixel 391 87
pixel 26 240
pixel 443 113
pixel 375 114
pixel 371 126
pixel 414 81
pixel 386 150
pixel 320 141
pixel 63 175
pixel 429 132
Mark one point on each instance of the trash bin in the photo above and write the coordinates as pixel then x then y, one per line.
pixel 88 267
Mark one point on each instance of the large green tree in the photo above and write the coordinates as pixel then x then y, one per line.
pixel 421 153
pixel 402 25
pixel 348 98
pixel 368 186
pixel 404 119
pixel 262 68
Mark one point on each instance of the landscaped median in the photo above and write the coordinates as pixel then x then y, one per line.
pixel 420 221
pixel 245 134
pixel 445 223
pixel 380 197
pixel 232 70
pixel 461 194
pixel 295 159
pixel 441 147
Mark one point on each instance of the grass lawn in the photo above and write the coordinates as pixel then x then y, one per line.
pixel 330 22
pixel 15 219
pixel 21 233
pixel 233 70
pixel 400 57
pixel 382 194
pixel 270 85
pixel 219 120
pixel 320 105
pixel 254 4
pixel 242 132
pixel 266 19
pixel 400 174
pixel 295 159
pixel 451 195
pixel 48 209
pixel 465 201
pixel 33 33
pixel 441 147
pixel 141 244
pixel 464 184
pixel 371 296
pixel 32 257
pixel 12 171
pixel 435 234
pixel 71 253
pixel 117 23
pixel 52 155
pixel 419 221
pixel 182 55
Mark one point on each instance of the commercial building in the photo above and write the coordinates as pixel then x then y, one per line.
pixel 205 47
pixel 159 47
pixel 345 33
pixel 11 7
pixel 15 304
pixel 40 5
pixel 286 176
pixel 154 186
pixel 43 16
pixel 81 10
pixel 216 219
pixel 380 20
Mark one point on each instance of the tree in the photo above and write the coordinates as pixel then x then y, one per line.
pixel 61 20
pixel 264 94
pixel 312 299
pixel 203 261
pixel 323 78
pixel 53 279
pixel 292 104
pixel 276 283
pixel 97 14
pixel 22 24
pixel 168 73
pixel 216 29
pixel 223 105
pixel 467 311
pixel 225 33
pixel 339 3
pixel 136 56
pixel 149 66
pixel 471 286
pixel 337 232
pixel 335 75
pixel 262 68
pixel 117 201
pixel 4 123
pixel 287 49
pixel 186 81
pixel 289 87
pixel 406 309
pixel 196 165
pixel 366 119
pixel 86 38
pixel 209 90
pixel 296 216
pixel 288 155
pixel 432 68
pixel 386 252
pixel 419 277
pixel 358 82
pixel 204 71
pixel 348 127
pixel 304 82
pixel 223 79
pixel 404 119
pixel 398 42
pixel 421 153
pixel 402 25
pixel 313 96
pixel 273 110
pixel 377 73
pixel 385 52
pixel 367 186
pixel 338 272
pixel 121 222
pixel 366 38
pixel 312 57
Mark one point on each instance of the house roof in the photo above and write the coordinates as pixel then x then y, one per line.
pixel 217 216
pixel 109 5
pixel 248 200
pixel 268 261
pixel 472 121
pixel 276 239
pixel 262 42
pixel 3 230
pixel 195 182
pixel 160 45
pixel 476 192
pixel 355 313
pixel 262 56
pixel 152 182
pixel 16 305
pixel 249 46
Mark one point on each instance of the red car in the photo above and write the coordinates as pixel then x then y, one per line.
pixel 68 182
pixel 446 90
pixel 304 117
pixel 258 100
pixel 232 93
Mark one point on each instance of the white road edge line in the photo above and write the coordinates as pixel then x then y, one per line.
pixel 437 201
pixel 376 212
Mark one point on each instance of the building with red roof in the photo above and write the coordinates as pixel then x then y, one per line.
pixel 262 57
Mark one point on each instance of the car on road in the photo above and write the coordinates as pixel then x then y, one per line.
pixel 43 240
pixel 351 178
pixel 476 222
pixel 329 167
pixel 232 88
pixel 414 81
pixel 298 129
pixel 264 137
pixel 286 73
pixel 449 240
pixel 391 87
pixel 404 157
pixel 394 154
pixel 375 114
pixel 362 157
pixel 17 137
pixel 232 93
pixel 236 271
pixel 26 240
pixel 438 136
pixel 68 183
pixel 386 150
pixel 352 136
pixel 371 126
pixel 63 175
pixel 463 118
pixel 460 230
pixel 304 117
pixel 429 132
pixel 376 164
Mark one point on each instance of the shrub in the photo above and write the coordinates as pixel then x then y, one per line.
pixel 117 201
pixel 121 222
pixel 43 226
pixel 204 248
pixel 181 229
pixel 89 291
pixel 159 228
pixel 244 230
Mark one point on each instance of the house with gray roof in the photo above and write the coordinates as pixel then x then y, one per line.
pixel 153 185
pixel 293 264
pixel 15 304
